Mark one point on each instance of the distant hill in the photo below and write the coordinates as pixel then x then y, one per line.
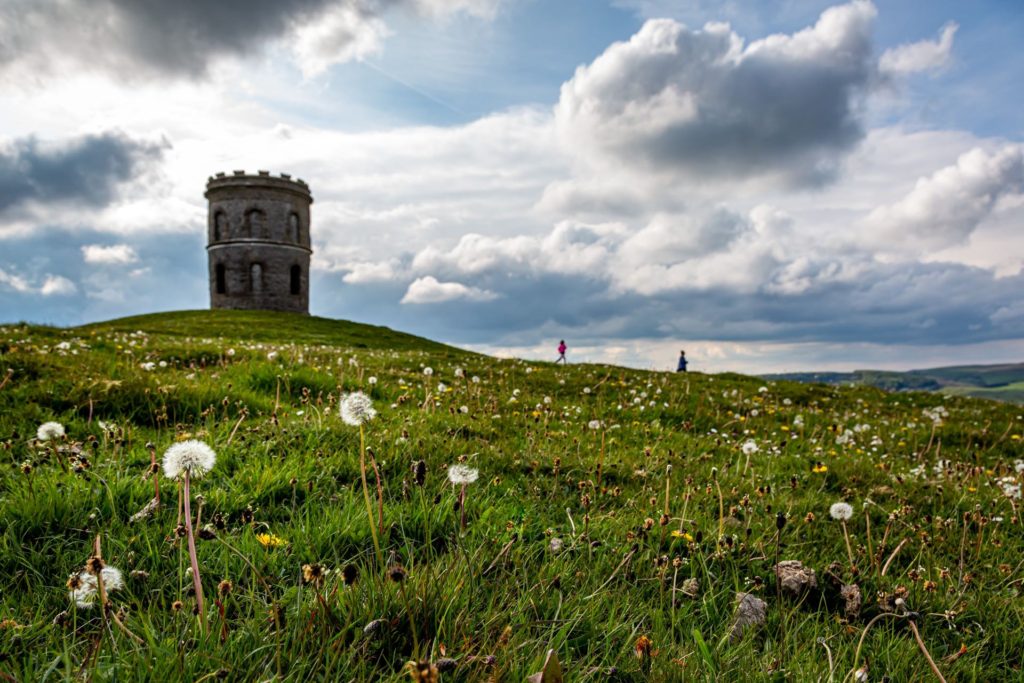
pixel 1000 382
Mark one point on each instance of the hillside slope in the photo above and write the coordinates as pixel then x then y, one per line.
pixel 269 326
pixel 484 512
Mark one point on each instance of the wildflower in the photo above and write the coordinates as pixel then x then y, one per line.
pixel 462 475
pixel 676 533
pixel 594 424
pixel 192 456
pixel 312 573
pixel 841 511
pixel 642 647
pixel 820 468
pixel 372 380
pixel 459 372
pixel 271 355
pixel 750 447
pixel 428 371
pixel 419 472
pixel 270 540
pixel 83 587
pixel 50 430
pixel 357 409
pixel 423 672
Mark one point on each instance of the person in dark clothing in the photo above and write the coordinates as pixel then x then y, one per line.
pixel 682 362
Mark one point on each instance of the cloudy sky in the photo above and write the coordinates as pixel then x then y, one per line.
pixel 772 185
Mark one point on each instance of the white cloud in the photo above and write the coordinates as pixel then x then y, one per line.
pixel 109 255
pixel 944 208
pixel 427 290
pixel 368 272
pixel 702 105
pixel 342 33
pixel 57 285
pixel 925 55
pixel 15 282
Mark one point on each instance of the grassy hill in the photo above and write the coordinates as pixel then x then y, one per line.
pixel 1001 382
pixel 615 515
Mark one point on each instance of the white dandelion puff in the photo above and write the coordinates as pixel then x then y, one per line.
pixel 357 409
pixel 85 588
pixel 750 447
pixel 841 511
pixel 594 424
pixel 192 456
pixel 462 475
pixel 428 371
pixel 50 430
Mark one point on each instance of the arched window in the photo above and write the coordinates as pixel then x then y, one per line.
pixel 296 280
pixel 256 278
pixel 222 284
pixel 256 224
pixel 220 226
pixel 293 227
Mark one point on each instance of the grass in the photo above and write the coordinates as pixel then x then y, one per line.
pixel 548 560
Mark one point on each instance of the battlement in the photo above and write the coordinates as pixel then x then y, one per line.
pixel 259 180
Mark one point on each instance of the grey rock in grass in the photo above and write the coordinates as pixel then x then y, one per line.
pixel 852 600
pixel 750 613
pixel 794 578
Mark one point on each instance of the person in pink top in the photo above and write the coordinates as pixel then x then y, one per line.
pixel 561 352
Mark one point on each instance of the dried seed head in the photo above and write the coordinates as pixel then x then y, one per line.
pixel 397 573
pixel 349 574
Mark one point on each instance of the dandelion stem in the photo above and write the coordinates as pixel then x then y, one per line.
pixel 899 547
pixel 849 548
pixel 366 496
pixel 924 650
pixel 197 582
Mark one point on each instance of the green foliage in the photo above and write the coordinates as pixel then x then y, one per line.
pixel 564 545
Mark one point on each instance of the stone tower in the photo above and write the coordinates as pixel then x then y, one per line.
pixel 258 242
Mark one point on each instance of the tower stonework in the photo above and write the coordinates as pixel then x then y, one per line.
pixel 258 242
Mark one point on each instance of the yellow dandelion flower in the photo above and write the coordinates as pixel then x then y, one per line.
pixel 676 533
pixel 820 468
pixel 270 540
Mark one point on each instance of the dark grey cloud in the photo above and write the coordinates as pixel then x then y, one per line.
pixel 136 37
pixel 915 304
pixel 86 170
pixel 702 104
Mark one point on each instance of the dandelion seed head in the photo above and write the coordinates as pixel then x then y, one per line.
pixel 428 371
pixel 84 587
pixel 192 456
pixel 841 511
pixel 357 409
pixel 460 474
pixel 750 447
pixel 50 430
